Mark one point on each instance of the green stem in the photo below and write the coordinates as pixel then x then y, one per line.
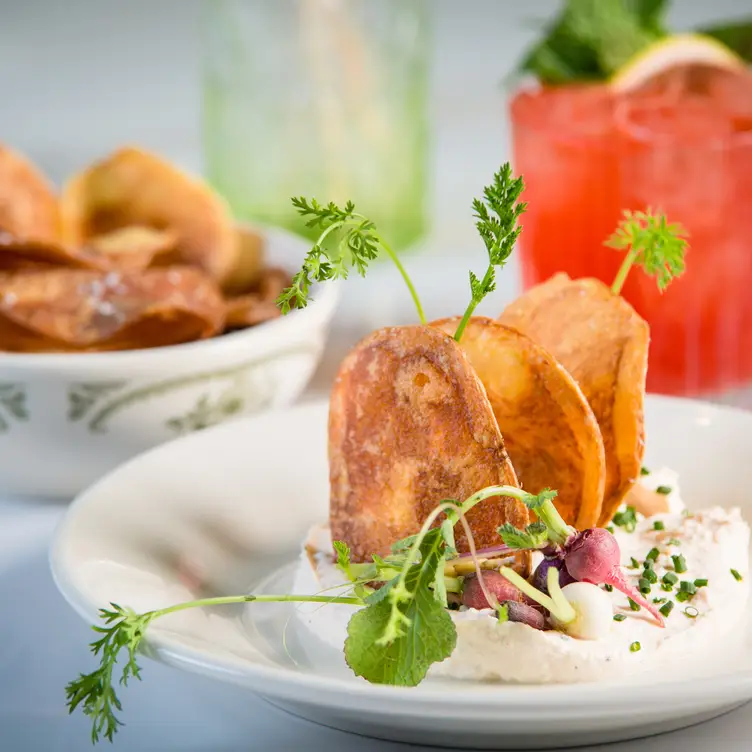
pixel 224 600
pixel 530 590
pixel 565 614
pixel 393 256
pixel 558 530
pixel 472 306
pixel 621 275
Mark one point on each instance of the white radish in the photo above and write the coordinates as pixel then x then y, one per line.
pixel 594 613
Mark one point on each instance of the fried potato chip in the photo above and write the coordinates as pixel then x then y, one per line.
pixel 135 247
pixel 17 254
pixel 28 204
pixel 260 305
pixel 603 343
pixel 65 310
pixel 133 187
pixel 549 430
pixel 409 426
pixel 249 262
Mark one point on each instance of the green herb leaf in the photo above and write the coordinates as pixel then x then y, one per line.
pixel 736 35
pixel 652 243
pixel 388 649
pixel 535 535
pixel 348 240
pixel 343 558
pixel 496 216
pixel 590 39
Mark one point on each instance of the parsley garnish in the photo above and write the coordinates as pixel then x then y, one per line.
pixel 652 243
pixel 497 216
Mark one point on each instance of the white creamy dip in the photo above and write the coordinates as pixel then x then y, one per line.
pixel 712 542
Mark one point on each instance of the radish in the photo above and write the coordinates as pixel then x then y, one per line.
pixel 474 597
pixel 594 614
pixel 540 576
pixel 593 556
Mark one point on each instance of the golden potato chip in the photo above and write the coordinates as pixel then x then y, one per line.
pixel 17 254
pixel 249 262
pixel 135 247
pixel 28 204
pixel 260 305
pixel 133 187
pixel 603 343
pixel 549 430
pixel 409 426
pixel 65 310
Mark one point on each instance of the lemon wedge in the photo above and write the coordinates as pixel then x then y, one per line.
pixel 674 51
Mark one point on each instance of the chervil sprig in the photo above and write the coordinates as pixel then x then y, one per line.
pixel 124 629
pixel 652 243
pixel 348 239
pixel 496 217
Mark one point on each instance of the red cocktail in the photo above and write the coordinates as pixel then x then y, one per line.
pixel 682 145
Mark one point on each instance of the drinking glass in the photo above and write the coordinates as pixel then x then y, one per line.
pixel 684 149
pixel 319 98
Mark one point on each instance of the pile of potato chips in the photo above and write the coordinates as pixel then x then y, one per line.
pixel 132 254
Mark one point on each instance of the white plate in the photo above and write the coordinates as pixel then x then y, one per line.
pixel 231 504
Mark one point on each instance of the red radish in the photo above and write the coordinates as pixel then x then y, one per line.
pixel 496 584
pixel 594 556
pixel 524 614
pixel 540 576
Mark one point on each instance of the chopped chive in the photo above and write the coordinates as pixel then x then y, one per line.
pixel 611 529
pixel 650 576
pixel 737 576
pixel 667 608
pixel 687 587
pixel 635 647
pixel 633 563
pixel 683 596
pixel 691 612
pixel 680 564
pixel 658 525
pixel 664 490
pixel 701 583
pixel 653 554
pixel 634 606
pixel 673 542
pixel 670 579
pixel 609 588
pixel 643 586
pixel 659 600
pixel 626 519
pixel 503 613
pixel 644 471
pixel 619 617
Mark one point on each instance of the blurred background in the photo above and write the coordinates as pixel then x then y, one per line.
pixel 216 88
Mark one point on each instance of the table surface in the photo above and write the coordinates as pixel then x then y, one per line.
pixel 81 69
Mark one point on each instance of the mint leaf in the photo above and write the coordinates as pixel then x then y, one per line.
pixel 396 639
pixel 737 35
pixel 534 535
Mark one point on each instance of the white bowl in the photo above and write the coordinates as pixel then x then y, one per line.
pixel 67 419
pixel 216 513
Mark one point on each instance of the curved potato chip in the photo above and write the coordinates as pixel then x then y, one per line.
pixel 17 254
pixel 258 306
pixel 603 343
pixel 409 426
pixel 28 204
pixel 249 262
pixel 133 187
pixel 549 429
pixel 67 310
pixel 135 247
